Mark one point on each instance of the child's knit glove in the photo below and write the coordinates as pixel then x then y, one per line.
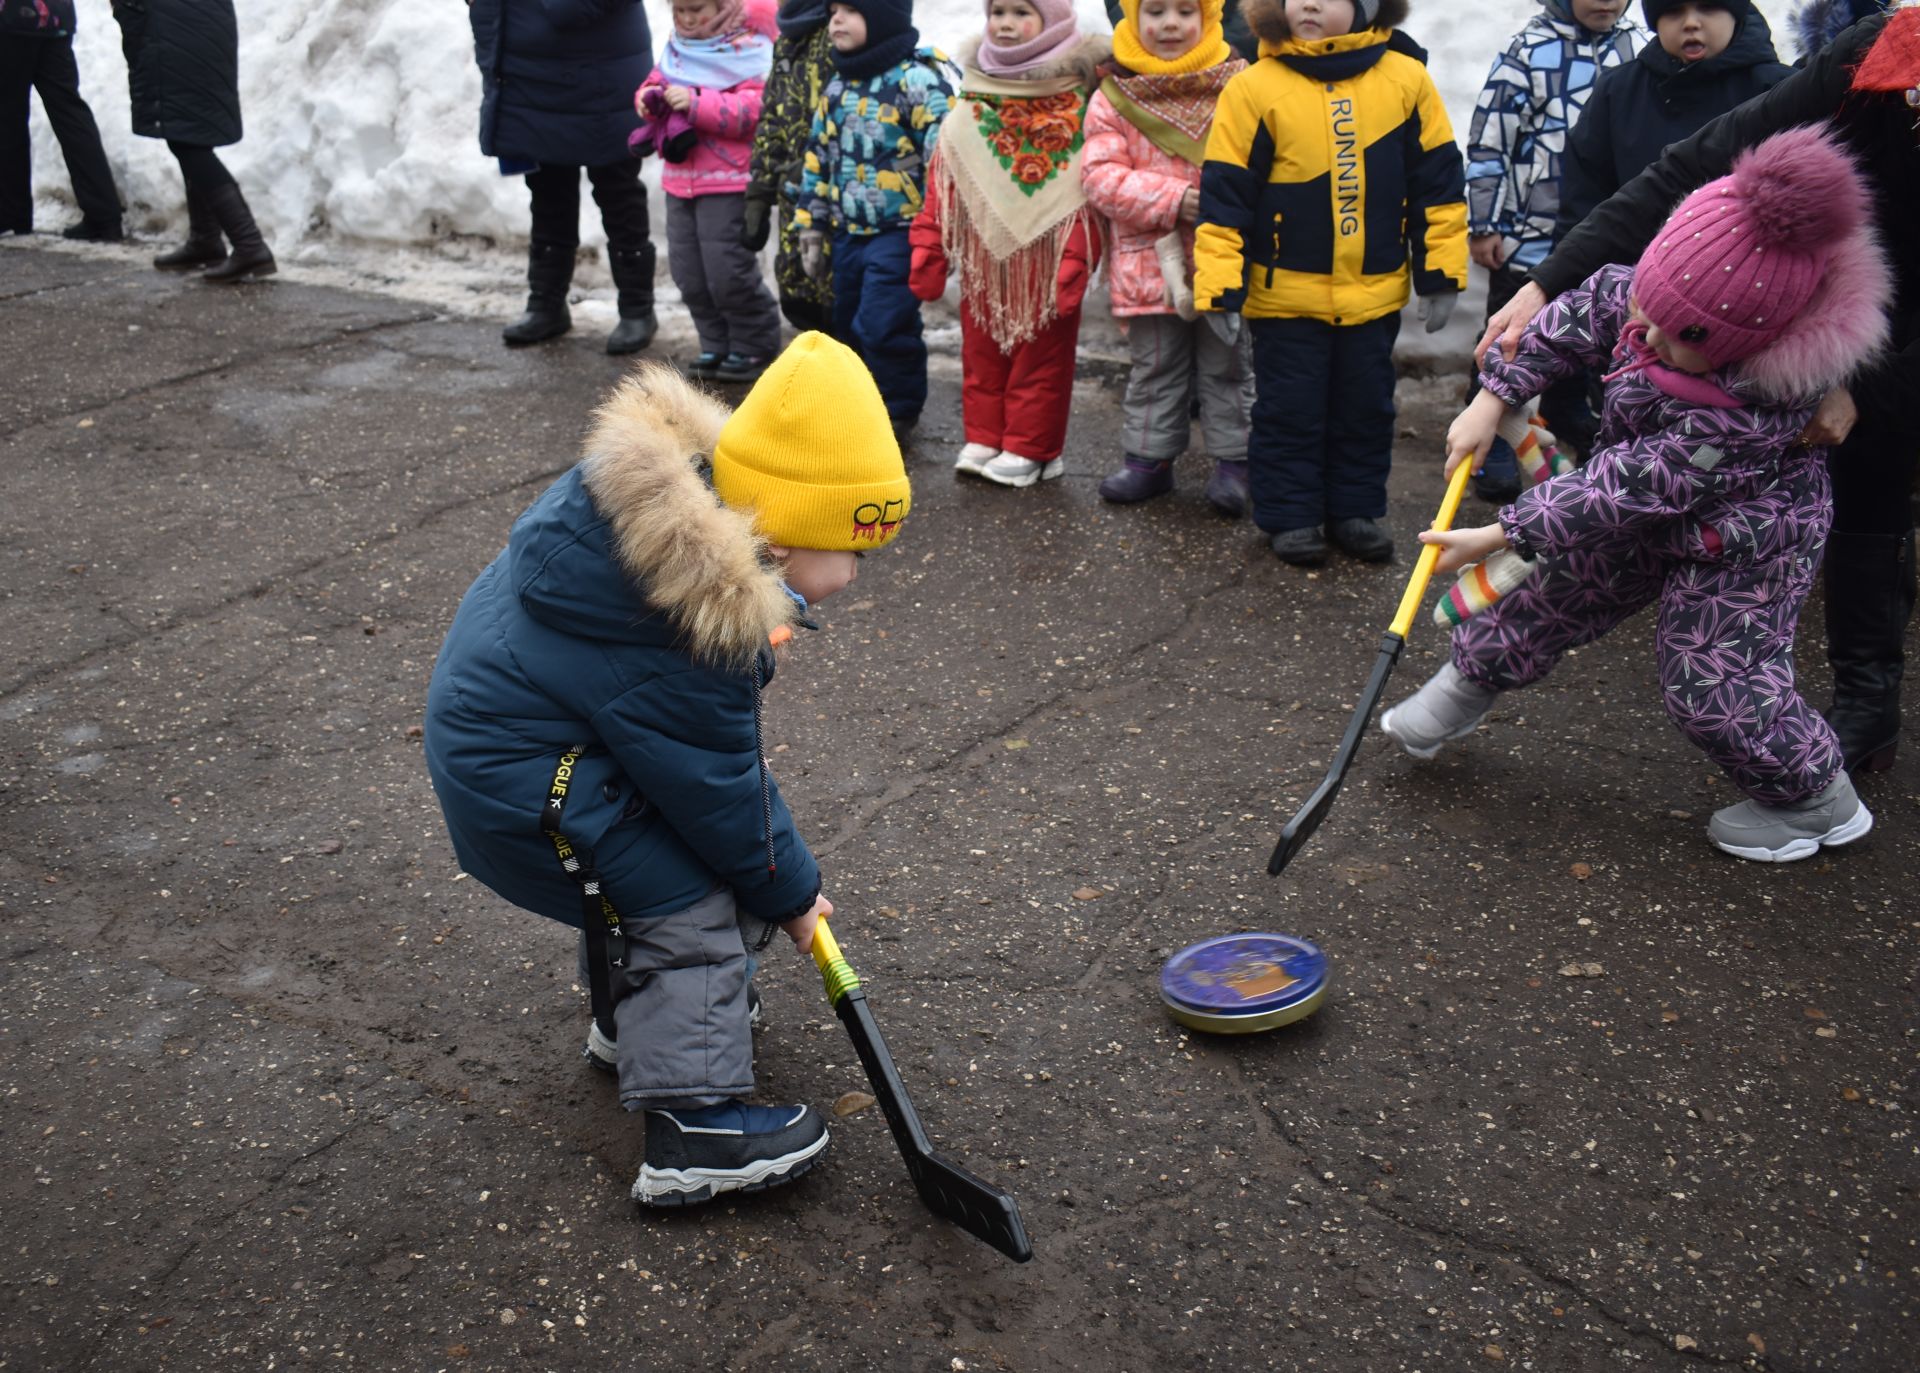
pixel 1533 443
pixel 1436 310
pixel 813 254
pixel 1171 251
pixel 1481 584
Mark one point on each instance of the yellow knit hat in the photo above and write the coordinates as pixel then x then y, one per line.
pixel 1210 51
pixel 812 454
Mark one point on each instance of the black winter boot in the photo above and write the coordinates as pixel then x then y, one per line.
pixel 203 246
pixel 549 273
pixel 633 275
pixel 1870 595
pixel 250 257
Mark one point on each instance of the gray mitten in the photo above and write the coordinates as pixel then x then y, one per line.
pixel 1170 250
pixel 1437 310
pixel 813 254
pixel 1225 327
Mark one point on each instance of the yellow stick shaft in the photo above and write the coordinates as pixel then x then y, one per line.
pixel 825 947
pixel 1429 553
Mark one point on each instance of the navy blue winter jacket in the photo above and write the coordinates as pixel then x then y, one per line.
pixel 183 69
pixel 1637 109
pixel 629 612
pixel 558 77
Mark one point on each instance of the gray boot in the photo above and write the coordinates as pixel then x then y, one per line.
pixel 1786 834
pixel 1447 707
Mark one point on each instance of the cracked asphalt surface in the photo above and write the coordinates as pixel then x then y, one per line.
pixel 282 1089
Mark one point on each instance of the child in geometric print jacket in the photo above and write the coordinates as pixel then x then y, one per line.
pixel 1762 292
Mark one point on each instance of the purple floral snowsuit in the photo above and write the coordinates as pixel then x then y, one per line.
pixel 1714 512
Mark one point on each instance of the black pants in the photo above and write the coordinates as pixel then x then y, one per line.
pixel 1873 477
pixel 201 167
pixel 1322 437
pixel 616 190
pixel 47 65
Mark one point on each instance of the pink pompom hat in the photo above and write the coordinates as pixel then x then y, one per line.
pixel 1774 266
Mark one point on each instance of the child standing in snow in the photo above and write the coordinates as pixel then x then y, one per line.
pixel 1331 183
pixel 1763 291
pixel 1516 142
pixel 1146 139
pixel 862 182
pixel 1006 213
pixel 593 729
pixel 802 66
pixel 698 107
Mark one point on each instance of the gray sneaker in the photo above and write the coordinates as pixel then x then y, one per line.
pixel 1786 834
pixel 1448 707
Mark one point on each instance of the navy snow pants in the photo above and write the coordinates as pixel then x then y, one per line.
pixel 880 318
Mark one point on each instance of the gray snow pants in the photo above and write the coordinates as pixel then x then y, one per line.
pixel 680 1007
pixel 719 277
pixel 1171 359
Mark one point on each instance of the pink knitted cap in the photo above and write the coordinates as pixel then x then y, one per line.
pixel 1059 34
pixel 1743 255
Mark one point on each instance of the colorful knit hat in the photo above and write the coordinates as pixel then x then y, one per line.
pixel 1743 255
pixel 812 454
pixel 1059 31
pixel 1210 51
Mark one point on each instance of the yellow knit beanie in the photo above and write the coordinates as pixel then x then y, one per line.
pixel 1210 51
pixel 811 453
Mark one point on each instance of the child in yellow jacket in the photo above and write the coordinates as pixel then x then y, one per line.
pixel 1332 184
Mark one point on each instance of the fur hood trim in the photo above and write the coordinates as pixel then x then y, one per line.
pixel 694 558
pixel 1268 18
pixel 1841 330
pixel 1079 65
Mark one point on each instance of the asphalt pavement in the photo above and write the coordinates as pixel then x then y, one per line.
pixel 283 1089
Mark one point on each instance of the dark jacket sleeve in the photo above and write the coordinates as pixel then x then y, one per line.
pixel 1622 227
pixel 689 738
pixel 1587 175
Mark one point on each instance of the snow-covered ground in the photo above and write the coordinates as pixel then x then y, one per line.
pixel 362 161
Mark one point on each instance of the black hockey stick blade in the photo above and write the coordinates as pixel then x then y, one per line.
pixel 1307 819
pixel 950 1191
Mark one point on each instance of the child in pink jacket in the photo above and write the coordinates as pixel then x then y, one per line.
pixel 1146 138
pixel 698 108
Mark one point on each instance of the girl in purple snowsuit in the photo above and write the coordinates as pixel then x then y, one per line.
pixel 1763 291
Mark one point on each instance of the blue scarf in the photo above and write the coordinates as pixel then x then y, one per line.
pixel 717 64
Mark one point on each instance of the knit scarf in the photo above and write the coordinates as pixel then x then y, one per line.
pixel 876 57
pixel 1210 51
pixel 1691 387
pixel 798 18
pixel 1018 59
pixel 1174 113
pixel 719 63
pixel 1007 172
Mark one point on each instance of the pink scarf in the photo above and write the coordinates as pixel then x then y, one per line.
pixel 1059 35
pixel 1686 386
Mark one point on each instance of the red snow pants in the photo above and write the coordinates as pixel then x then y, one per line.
pixel 1018 402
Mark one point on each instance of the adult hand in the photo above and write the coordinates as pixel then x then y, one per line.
pixel 679 98
pixel 1471 433
pixel 1511 321
pixel 813 254
pixel 1489 250
pixel 1436 310
pixel 800 928
pixel 1190 206
pixel 1225 327
pixel 1833 421
pixel 1463 547
pixel 755 225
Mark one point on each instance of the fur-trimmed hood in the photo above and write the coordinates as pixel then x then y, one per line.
pixel 1268 18
pixel 691 558
pixel 1078 66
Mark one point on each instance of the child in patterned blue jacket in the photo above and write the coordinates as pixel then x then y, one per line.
pixel 863 180
pixel 1515 144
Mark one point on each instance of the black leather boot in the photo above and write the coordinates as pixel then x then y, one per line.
pixel 250 257
pixel 549 273
pixel 203 246
pixel 633 274
pixel 1870 595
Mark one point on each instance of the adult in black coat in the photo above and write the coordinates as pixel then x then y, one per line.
pixel 1874 421
pixel 558 79
pixel 183 78
pixel 36 54
pixel 1638 108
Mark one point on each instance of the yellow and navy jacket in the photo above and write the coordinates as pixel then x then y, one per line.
pixel 1331 177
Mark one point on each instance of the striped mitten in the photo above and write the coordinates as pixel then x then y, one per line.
pixel 1482 584
pixel 1533 443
